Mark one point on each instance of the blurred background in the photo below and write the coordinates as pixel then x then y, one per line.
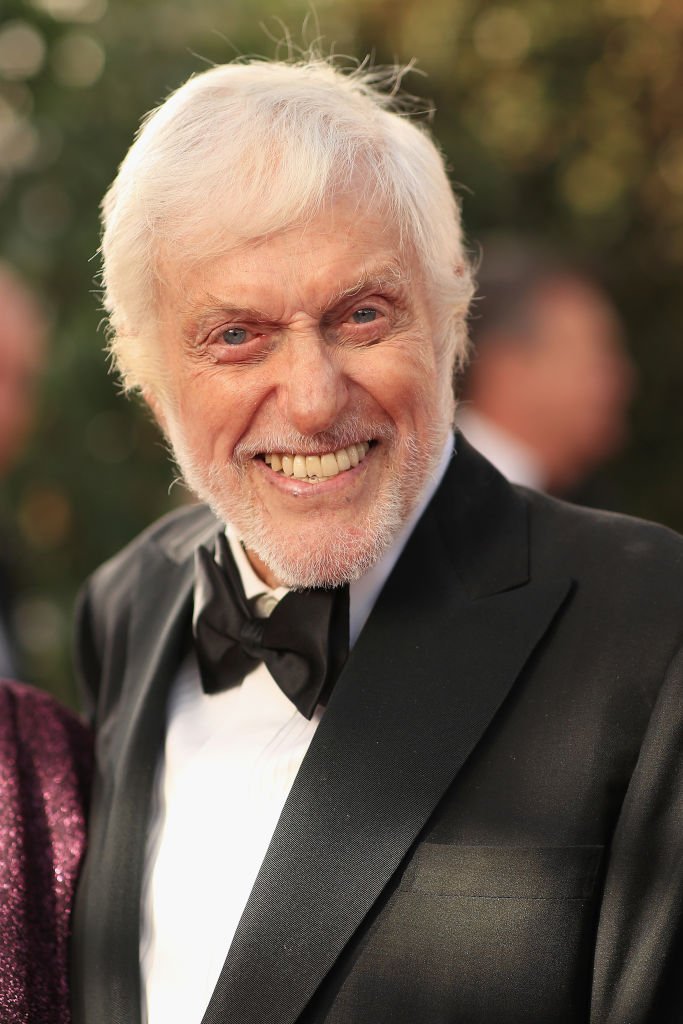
pixel 561 122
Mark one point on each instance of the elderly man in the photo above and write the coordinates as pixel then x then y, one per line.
pixel 381 738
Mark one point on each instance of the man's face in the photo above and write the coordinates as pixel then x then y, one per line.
pixel 306 403
pixel 21 357
pixel 580 379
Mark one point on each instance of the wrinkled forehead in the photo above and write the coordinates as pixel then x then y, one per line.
pixel 347 245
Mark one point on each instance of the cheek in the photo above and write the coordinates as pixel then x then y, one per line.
pixel 405 385
pixel 216 411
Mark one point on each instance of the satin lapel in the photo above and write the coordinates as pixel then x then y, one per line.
pixel 161 611
pixel 422 684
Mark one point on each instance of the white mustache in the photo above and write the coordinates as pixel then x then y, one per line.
pixel 301 444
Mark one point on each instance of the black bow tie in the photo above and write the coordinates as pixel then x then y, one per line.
pixel 304 642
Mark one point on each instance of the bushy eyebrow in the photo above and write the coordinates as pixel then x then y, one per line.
pixel 197 317
pixel 387 278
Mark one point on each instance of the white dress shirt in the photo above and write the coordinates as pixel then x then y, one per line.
pixel 515 460
pixel 229 762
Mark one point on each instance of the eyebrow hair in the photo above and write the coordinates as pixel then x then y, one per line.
pixel 196 315
pixel 384 278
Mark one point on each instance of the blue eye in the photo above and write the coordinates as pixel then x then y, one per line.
pixel 234 336
pixel 364 316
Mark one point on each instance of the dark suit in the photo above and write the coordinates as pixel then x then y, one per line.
pixel 488 825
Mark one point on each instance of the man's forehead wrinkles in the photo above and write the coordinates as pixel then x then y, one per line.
pixel 214 305
pixel 207 306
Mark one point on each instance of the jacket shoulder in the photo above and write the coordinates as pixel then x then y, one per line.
pixel 600 523
pixel 620 549
pixel 177 534
pixel 103 606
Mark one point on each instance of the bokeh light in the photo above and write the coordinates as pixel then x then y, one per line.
pixel 77 60
pixel 502 35
pixel 18 139
pixel 73 10
pixel 22 51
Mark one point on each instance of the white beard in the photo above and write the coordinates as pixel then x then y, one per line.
pixel 323 554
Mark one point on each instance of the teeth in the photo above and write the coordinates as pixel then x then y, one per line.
pixel 299 468
pixel 329 465
pixel 318 467
pixel 313 467
pixel 343 460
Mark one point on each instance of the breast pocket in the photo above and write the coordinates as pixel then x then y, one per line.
pixel 478 934
pixel 502 872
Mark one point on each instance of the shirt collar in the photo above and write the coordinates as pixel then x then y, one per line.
pixel 515 460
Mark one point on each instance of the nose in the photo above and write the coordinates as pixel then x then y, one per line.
pixel 314 389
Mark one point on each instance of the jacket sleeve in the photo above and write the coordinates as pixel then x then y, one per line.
pixel 102 617
pixel 642 910
pixel 87 660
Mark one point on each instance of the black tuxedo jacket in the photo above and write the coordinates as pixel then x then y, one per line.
pixel 488 825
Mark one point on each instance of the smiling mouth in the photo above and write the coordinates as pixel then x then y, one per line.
pixel 314 468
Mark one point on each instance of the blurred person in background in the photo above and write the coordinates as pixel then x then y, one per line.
pixel 23 332
pixel 547 392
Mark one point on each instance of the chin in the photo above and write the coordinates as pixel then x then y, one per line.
pixel 320 552
pixel 330 558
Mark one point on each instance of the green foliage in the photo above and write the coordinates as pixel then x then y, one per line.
pixel 564 121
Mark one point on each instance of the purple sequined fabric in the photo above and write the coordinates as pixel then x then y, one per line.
pixel 45 758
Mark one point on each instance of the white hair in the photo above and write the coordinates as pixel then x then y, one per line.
pixel 249 149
